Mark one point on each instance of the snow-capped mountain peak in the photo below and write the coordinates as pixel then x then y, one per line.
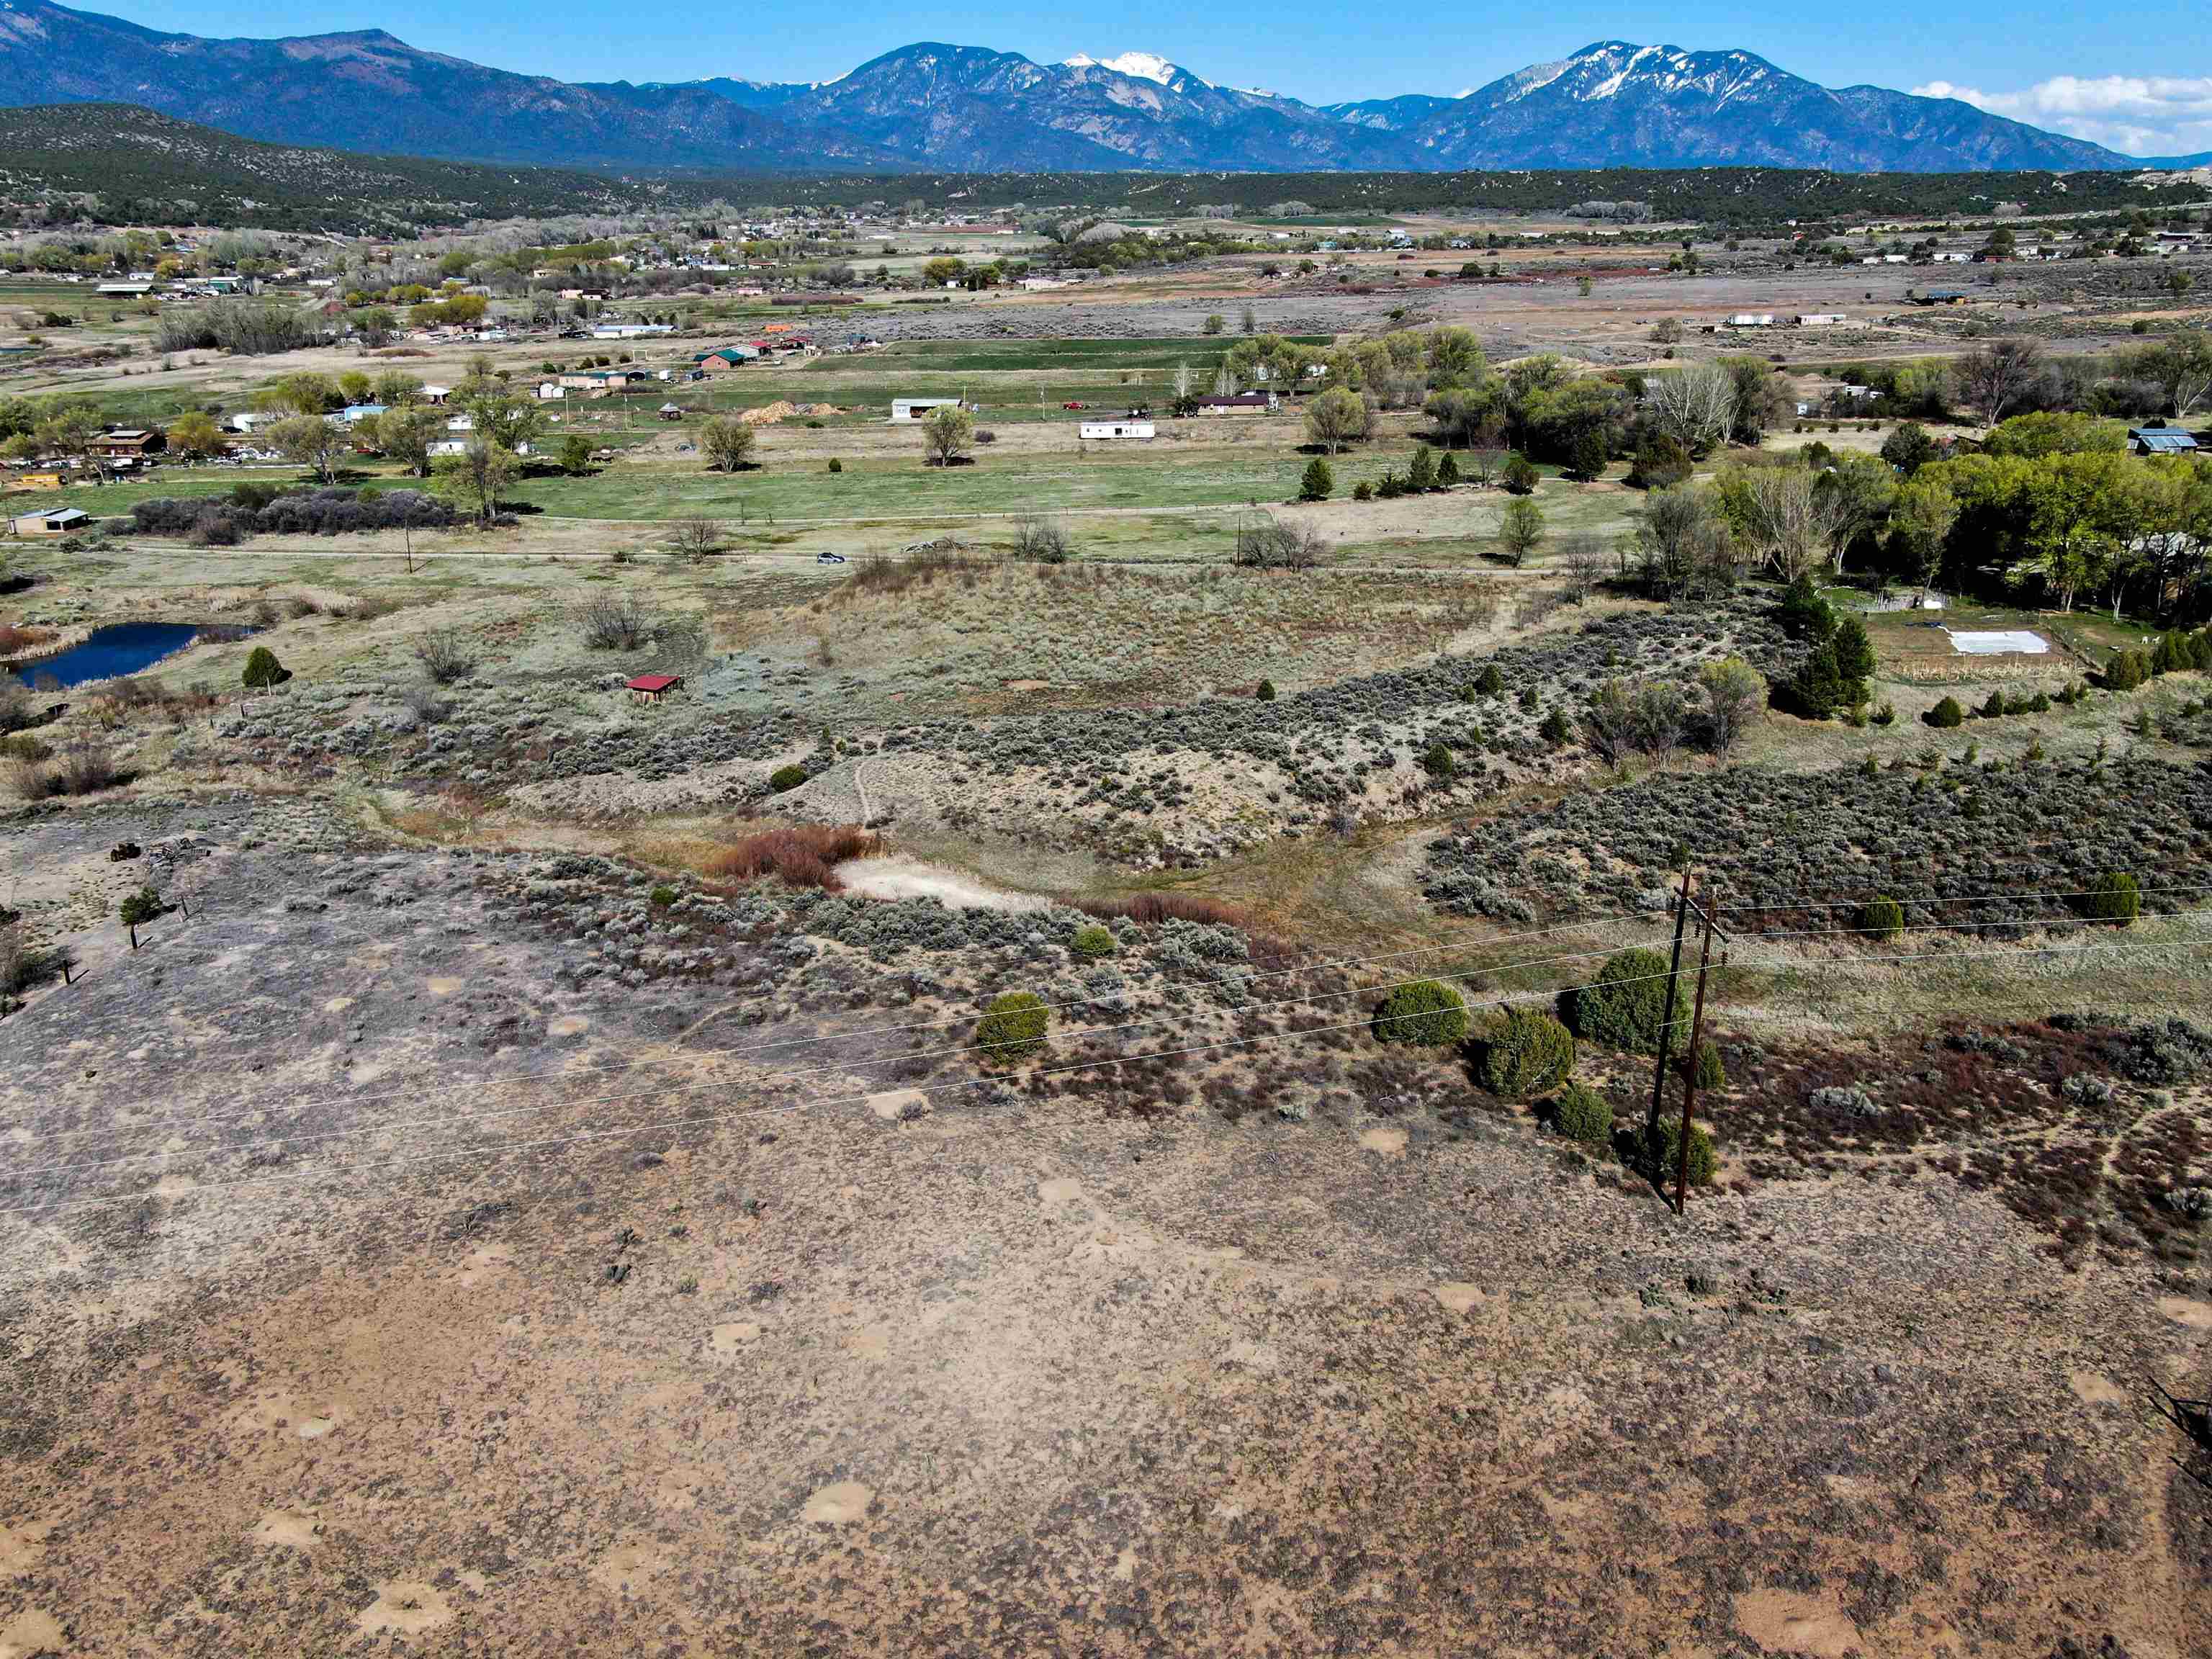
pixel 1137 66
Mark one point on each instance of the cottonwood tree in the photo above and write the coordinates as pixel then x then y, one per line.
pixel 405 434
pixel 948 432
pixel 195 435
pixel 309 440
pixel 728 442
pixel 1678 533
pixel 1920 524
pixel 2182 367
pixel 504 419
pixel 1792 522
pixel 473 478
pixel 1859 491
pixel 1995 377
pixel 1337 417
pixel 1695 407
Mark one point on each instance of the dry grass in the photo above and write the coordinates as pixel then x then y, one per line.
pixel 798 855
pixel 1150 908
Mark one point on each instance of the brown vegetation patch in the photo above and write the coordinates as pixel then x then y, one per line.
pixel 801 855
pixel 2042 1116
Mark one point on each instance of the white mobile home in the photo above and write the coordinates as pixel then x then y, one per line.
pixel 1130 428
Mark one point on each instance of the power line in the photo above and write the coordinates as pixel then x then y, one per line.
pixel 1582 924
pixel 591 1136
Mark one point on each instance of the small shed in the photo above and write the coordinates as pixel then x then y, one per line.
pixel 672 411
pixel 2161 440
pixel 652 688
pixel 60 522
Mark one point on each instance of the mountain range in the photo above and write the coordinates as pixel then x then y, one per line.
pixel 937 106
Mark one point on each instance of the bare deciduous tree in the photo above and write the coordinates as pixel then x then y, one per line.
pixel 1695 406
pixel 1794 522
pixel 1583 562
pixel 1265 543
pixel 1991 380
pixel 698 539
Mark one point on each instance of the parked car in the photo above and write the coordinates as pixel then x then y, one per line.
pixel 829 558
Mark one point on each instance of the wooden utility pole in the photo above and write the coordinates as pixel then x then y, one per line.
pixel 1667 1025
pixel 1710 916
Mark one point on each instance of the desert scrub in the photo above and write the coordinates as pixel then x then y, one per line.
pixel 1627 1006
pixel 1531 1053
pixel 1427 1013
pixel 1940 842
pixel 1013 1027
pixel 786 778
pixel 1946 714
pixel 1580 1113
pixel 1090 943
pixel 139 908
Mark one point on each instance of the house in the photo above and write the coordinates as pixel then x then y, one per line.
pixel 1128 427
pixel 59 522
pixel 126 290
pixel 1751 320
pixel 126 442
pixel 652 688
pixel 247 420
pixel 436 394
pixel 629 330
pixel 914 408
pixel 355 414
pixel 2161 440
pixel 725 357
pixel 1820 319
pixel 1243 403
pixel 1939 296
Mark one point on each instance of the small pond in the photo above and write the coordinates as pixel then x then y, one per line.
pixel 118 648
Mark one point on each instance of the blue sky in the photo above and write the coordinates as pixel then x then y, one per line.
pixel 2063 66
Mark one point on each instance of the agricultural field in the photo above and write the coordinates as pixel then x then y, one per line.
pixel 1072 1072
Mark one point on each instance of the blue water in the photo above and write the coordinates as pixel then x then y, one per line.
pixel 120 648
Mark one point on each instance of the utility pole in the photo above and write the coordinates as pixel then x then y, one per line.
pixel 1709 915
pixel 1667 1025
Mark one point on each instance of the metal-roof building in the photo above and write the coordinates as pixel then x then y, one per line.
pixel 2161 440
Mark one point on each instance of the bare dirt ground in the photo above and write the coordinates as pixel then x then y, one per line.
pixel 815 1367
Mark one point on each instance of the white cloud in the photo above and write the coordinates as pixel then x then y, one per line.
pixel 2136 114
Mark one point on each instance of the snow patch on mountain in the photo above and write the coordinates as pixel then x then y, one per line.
pixel 1137 66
